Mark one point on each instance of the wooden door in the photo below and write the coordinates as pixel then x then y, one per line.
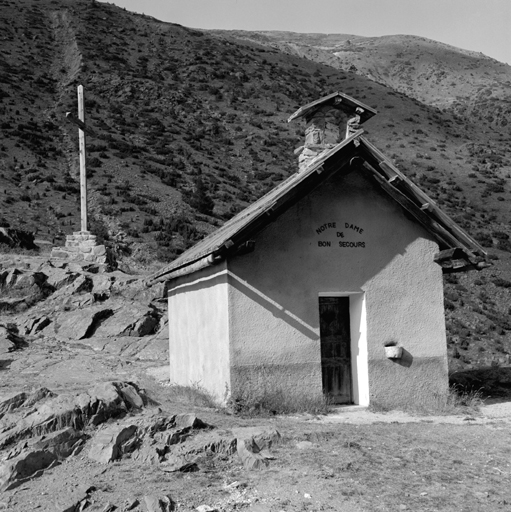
pixel 334 322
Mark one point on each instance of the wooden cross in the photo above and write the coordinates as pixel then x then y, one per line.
pixel 82 129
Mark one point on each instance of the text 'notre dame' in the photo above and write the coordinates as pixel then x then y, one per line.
pixel 339 234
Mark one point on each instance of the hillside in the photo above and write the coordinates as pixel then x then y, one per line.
pixel 463 82
pixel 192 126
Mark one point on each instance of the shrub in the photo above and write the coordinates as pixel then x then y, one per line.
pixel 200 198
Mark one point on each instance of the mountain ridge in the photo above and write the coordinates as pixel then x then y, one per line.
pixel 419 67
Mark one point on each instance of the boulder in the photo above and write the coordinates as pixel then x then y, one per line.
pixel 16 304
pixel 189 421
pixel 101 286
pixel 19 400
pixel 206 442
pixel 22 289
pixel 304 445
pixel 33 324
pixel 58 278
pixel 26 465
pixel 264 436
pixel 29 282
pixel 79 285
pixel 28 460
pixel 78 324
pixel 62 443
pixel 130 504
pixel 131 395
pixel 175 463
pixel 252 444
pixel 6 345
pixel 125 345
pixel 155 503
pixel 9 279
pixel 130 320
pixel 250 454
pixel 112 442
pixel 76 500
pixel 153 348
pixel 39 324
pixel 10 339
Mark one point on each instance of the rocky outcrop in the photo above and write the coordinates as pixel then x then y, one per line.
pixel 9 339
pixel 41 429
pixel 22 289
pixel 23 400
pixel 112 443
pixel 130 320
pixel 104 401
pixel 67 301
pixel 30 459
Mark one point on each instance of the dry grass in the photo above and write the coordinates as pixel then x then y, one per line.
pixel 268 401
pixel 194 395
pixel 456 402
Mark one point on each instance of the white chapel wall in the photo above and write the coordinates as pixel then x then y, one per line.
pixel 199 331
pixel 346 236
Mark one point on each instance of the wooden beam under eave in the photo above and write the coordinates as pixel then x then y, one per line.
pixel 429 224
pixel 466 267
pixel 378 160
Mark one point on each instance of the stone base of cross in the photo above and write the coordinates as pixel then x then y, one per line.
pixel 81 246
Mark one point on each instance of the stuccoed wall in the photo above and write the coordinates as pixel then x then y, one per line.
pixel 199 331
pixel 346 236
pixel 272 348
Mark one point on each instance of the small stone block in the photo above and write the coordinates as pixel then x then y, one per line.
pixel 85 249
pixel 99 250
pixel 88 243
pixel 89 257
pixel 56 253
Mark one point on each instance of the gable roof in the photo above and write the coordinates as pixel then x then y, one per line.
pixel 458 252
pixel 337 100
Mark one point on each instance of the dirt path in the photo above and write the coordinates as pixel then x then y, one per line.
pixel 489 413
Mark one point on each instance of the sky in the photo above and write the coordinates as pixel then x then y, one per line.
pixel 478 25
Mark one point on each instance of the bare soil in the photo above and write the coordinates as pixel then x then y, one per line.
pixel 351 460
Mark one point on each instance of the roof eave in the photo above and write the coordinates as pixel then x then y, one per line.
pixel 352 103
